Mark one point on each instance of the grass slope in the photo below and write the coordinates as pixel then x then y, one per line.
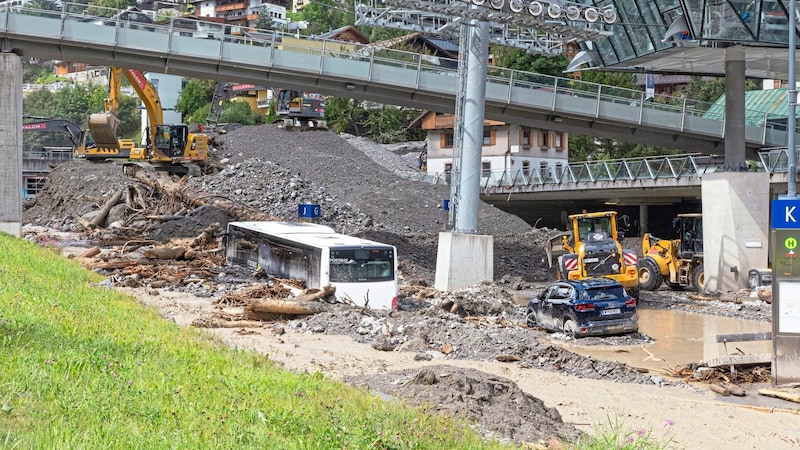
pixel 85 367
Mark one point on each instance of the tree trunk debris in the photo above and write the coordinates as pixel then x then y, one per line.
pixel 177 190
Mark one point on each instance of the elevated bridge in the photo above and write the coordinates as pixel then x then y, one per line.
pixel 76 32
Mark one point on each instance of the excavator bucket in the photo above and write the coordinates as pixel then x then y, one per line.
pixel 555 247
pixel 103 127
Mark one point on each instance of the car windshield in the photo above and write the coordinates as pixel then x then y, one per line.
pixel 605 293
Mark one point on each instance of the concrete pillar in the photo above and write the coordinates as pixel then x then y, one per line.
pixel 10 144
pixel 464 257
pixel 463 260
pixel 735 227
pixel 735 157
pixel 644 220
pixel 466 218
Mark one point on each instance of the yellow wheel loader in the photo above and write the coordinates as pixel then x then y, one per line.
pixel 678 263
pixel 592 248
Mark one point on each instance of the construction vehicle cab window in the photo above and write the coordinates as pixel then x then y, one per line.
pixel 594 229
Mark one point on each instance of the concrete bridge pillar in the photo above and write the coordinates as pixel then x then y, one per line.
pixel 644 220
pixel 10 144
pixel 735 158
pixel 735 204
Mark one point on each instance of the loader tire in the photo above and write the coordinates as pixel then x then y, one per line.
pixel 698 279
pixel 649 275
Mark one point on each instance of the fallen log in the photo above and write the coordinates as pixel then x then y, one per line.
pixel 733 389
pixel 164 253
pixel 180 191
pixel 719 390
pixel 287 307
pixel 94 251
pixel 217 323
pixel 312 295
pixel 103 212
pixel 111 265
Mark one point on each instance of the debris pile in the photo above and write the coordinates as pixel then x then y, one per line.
pixel 497 404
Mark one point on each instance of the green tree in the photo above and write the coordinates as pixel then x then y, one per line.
pixel 40 103
pixel 386 124
pixel 325 15
pixel 75 103
pixel 196 94
pixel 33 71
pixel 710 91
pixel 342 115
pixel 518 59
pixel 106 8
pixel 240 112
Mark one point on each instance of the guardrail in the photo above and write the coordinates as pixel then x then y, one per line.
pixel 632 169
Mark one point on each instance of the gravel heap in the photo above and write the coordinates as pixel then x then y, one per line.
pixel 363 188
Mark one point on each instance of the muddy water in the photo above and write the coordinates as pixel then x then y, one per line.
pixel 680 338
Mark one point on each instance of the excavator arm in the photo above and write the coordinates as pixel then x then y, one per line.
pixel 57 125
pixel 147 93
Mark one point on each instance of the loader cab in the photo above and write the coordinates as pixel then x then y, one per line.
pixel 690 229
pixel 595 229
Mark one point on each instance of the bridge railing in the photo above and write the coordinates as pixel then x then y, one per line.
pixel 501 80
pixel 633 169
pixel 775 160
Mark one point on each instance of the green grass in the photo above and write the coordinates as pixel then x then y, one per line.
pixel 84 367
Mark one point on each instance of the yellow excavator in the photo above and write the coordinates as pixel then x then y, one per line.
pixel 167 146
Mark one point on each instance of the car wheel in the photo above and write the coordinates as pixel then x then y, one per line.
pixel 571 328
pixel 649 275
pixel 698 279
pixel 530 319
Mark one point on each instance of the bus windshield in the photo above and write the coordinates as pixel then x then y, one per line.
pixel 361 265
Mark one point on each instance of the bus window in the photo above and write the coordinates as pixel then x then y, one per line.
pixel 361 265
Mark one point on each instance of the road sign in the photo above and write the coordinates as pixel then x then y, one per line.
pixel 786 213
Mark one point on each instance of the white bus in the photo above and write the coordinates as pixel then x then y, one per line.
pixel 358 268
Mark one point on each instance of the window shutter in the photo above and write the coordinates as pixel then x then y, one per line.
pixel 442 140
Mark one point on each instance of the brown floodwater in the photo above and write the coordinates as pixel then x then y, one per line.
pixel 680 338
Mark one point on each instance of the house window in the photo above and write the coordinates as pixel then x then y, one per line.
pixel 525 138
pixel 559 144
pixel 559 170
pixel 446 140
pixel 526 168
pixel 544 139
pixel 448 168
pixel 487 137
pixel 486 169
pixel 543 169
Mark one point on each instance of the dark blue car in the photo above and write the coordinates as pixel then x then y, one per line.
pixel 590 307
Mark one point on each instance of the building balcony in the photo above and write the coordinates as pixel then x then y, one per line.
pixel 230 7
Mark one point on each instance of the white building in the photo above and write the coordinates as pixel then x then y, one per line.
pixel 506 148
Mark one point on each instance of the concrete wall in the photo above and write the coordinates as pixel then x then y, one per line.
pixel 735 227
pixel 10 144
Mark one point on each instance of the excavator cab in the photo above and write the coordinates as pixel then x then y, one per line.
pixel 172 139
